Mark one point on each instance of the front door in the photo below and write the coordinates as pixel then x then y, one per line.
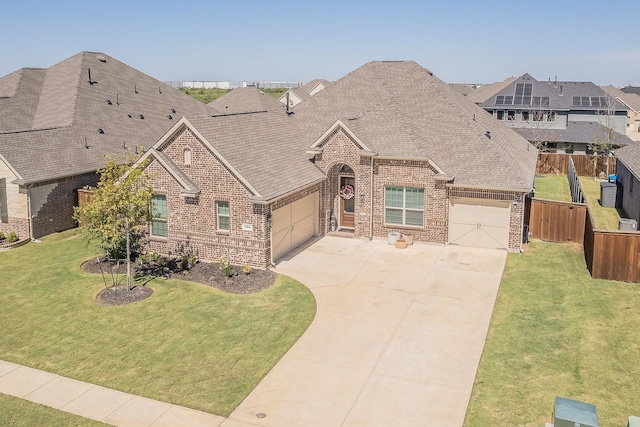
pixel 347 202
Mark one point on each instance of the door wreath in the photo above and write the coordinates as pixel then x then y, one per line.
pixel 347 192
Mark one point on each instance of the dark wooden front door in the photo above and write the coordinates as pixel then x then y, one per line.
pixel 347 202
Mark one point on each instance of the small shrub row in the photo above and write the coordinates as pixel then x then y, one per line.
pixel 227 268
pixel 11 237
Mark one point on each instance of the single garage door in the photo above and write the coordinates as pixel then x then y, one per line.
pixel 479 222
pixel 293 225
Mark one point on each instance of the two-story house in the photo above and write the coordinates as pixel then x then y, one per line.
pixel 560 116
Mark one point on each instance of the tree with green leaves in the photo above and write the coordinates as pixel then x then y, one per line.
pixel 119 208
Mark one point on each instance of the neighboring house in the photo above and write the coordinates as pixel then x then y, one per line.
pixel 632 102
pixel 242 100
pixel 407 154
pixel 56 125
pixel 483 93
pixel 295 96
pixel 559 116
pixel 462 88
pixel 631 89
pixel 628 172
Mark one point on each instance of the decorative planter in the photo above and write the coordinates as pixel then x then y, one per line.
pixel 401 244
pixel 393 237
pixel 408 238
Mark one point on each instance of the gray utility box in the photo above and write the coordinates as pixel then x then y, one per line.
pixel 608 192
pixel 627 224
pixel 571 413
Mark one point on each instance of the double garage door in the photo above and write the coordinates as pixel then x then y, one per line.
pixel 479 222
pixel 293 225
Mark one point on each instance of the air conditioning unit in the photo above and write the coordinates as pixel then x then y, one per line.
pixel 572 413
pixel 627 224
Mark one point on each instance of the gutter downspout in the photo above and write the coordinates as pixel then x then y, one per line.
pixel 33 239
pixel 371 200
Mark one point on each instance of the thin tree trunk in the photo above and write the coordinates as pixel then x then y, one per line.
pixel 126 222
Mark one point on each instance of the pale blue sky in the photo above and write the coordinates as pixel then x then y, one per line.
pixel 460 41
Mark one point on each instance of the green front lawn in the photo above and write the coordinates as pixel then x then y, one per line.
pixel 188 344
pixel 17 412
pixel 604 218
pixel 557 332
pixel 552 187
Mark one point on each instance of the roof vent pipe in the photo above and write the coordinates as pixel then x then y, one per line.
pixel 488 134
pixel 90 81
pixel 135 88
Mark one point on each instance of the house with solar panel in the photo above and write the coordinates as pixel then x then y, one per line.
pixel 560 116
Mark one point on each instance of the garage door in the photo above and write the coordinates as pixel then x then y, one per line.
pixel 293 225
pixel 479 223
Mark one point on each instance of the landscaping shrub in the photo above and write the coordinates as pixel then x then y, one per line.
pixel 12 237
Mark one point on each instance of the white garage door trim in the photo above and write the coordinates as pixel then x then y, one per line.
pixel 479 222
pixel 293 225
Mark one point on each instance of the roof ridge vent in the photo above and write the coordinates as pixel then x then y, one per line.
pixel 101 58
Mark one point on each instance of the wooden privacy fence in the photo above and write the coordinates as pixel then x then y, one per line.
pixel 558 164
pixel 557 221
pixel 612 254
pixel 84 197
pixel 609 254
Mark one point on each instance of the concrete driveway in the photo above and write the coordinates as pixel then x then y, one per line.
pixel 396 340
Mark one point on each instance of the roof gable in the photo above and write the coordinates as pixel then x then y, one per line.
pixel 339 125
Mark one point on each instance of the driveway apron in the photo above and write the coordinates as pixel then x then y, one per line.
pixel 396 340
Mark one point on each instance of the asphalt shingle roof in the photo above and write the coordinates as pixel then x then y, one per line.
pixel 398 108
pixel 264 148
pixel 47 114
pixel 631 100
pixel 576 132
pixel 484 92
pixel 630 156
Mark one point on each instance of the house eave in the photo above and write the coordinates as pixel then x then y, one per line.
pixel 266 201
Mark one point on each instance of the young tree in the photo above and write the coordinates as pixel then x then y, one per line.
pixel 119 208
pixel 607 139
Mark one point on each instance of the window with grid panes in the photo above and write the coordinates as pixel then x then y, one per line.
pixel 404 206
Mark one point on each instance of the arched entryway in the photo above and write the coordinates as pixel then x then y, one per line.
pixel 342 182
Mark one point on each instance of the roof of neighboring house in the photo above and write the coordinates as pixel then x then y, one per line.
pixel 631 89
pixel 630 156
pixel 631 100
pixel 484 92
pixel 575 133
pixel 461 88
pixel 560 95
pixel 409 113
pixel 246 99
pixel 60 121
pixel 306 91
pixel 263 149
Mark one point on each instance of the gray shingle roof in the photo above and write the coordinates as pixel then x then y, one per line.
pixel 46 115
pixel 484 92
pixel 264 148
pixel 398 108
pixel 560 94
pixel 246 99
pixel 576 132
pixel 631 100
pixel 630 156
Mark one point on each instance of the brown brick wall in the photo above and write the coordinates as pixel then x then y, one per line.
pixel 340 149
pixel 192 222
pixel 56 214
pixel 19 225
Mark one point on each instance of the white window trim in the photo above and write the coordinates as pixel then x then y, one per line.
pixel 218 216
pixel 158 219
pixel 404 208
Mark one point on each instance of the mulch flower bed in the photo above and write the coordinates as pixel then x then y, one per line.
pixel 203 272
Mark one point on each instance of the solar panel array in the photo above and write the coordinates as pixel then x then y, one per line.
pixel 523 96
pixel 589 101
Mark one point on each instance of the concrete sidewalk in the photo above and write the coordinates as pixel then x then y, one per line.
pixel 96 402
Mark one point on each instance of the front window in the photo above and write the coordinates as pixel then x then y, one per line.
pixel 511 115
pixel 159 215
pixel 404 206
pixel 499 114
pixel 551 116
pixel 224 219
pixel 525 116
